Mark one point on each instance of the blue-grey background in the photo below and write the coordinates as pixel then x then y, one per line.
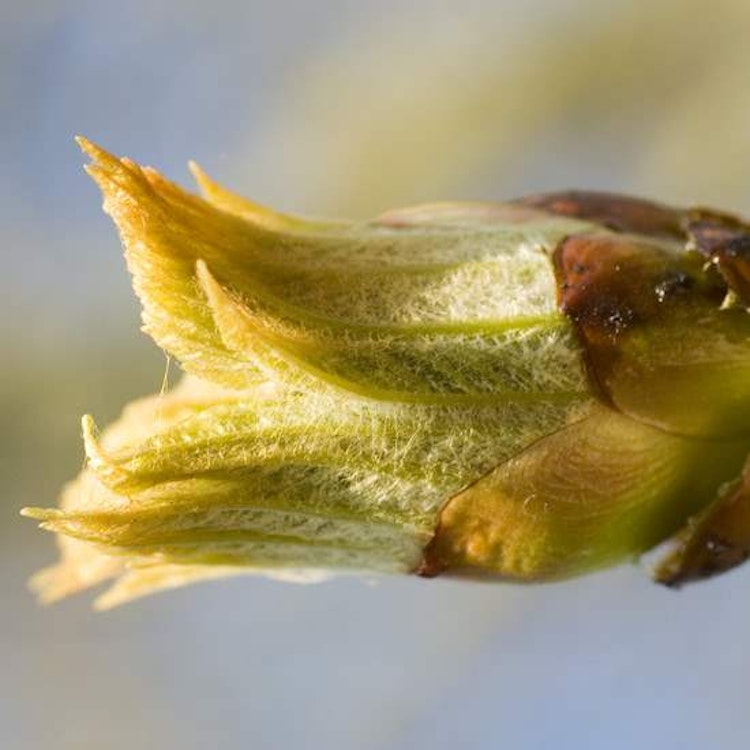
pixel 347 108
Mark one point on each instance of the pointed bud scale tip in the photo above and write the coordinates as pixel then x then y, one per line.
pixel 528 390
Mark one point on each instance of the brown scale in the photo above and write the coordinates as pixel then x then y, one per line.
pixel 716 541
pixel 719 236
pixel 726 241
pixel 609 285
pixel 617 212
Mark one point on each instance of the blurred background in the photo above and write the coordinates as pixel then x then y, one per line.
pixel 346 108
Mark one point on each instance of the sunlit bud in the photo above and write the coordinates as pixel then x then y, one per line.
pixel 529 390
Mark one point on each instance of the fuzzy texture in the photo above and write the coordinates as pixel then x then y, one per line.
pixel 344 379
pixel 409 394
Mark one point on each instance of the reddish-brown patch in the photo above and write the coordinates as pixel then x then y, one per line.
pixel 618 212
pixel 609 284
pixel 722 237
